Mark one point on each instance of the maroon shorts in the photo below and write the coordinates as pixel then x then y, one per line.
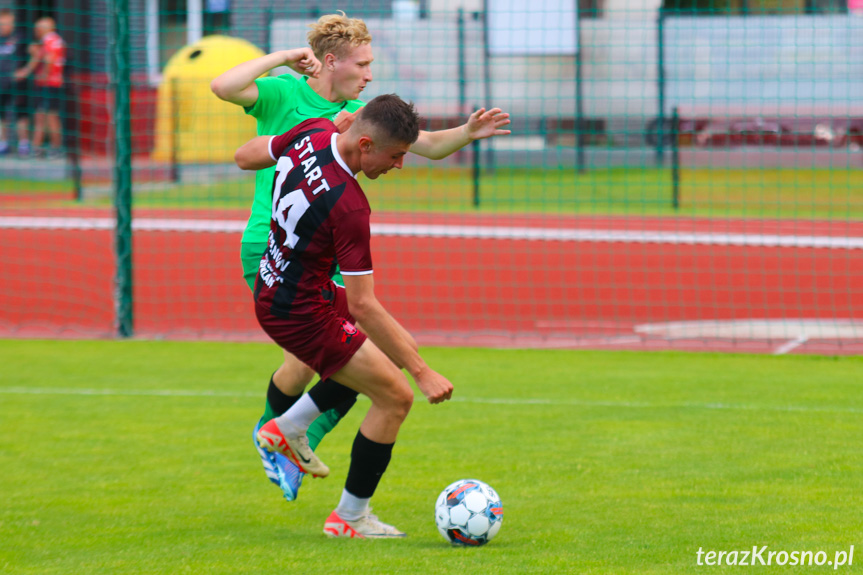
pixel 325 342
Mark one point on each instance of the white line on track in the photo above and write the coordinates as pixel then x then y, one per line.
pixel 791 345
pixel 479 400
pixel 133 392
pixel 454 231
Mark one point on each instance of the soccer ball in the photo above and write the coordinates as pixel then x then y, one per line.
pixel 468 512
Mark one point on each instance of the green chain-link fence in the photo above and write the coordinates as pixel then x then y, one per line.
pixel 674 173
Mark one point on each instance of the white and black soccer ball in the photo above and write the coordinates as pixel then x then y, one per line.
pixel 468 512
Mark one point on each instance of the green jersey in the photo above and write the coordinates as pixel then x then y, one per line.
pixel 283 102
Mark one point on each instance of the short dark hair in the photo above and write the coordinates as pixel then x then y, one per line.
pixel 392 119
pixel 6 12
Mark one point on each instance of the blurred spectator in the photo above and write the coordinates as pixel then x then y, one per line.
pixel 47 69
pixel 13 91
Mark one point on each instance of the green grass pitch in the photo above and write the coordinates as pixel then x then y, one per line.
pixel 136 457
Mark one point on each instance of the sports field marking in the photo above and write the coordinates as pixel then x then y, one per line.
pixel 454 231
pixel 794 332
pixel 479 400
pixel 793 344
pixel 758 328
pixel 133 392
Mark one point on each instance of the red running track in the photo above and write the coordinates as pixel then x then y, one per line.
pixel 455 290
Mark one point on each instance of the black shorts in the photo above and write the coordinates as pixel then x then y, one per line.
pixel 48 98
pixel 13 100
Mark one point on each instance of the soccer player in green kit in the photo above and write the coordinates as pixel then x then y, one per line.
pixel 336 69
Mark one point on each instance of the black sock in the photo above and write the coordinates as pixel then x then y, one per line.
pixel 278 402
pixel 328 394
pixel 344 407
pixel 369 460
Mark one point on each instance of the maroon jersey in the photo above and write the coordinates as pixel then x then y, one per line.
pixel 320 215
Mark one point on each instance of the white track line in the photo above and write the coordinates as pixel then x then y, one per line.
pixel 479 400
pixel 454 231
pixel 126 392
pixel 788 346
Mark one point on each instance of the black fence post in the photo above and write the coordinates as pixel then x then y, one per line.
pixel 580 123
pixel 660 88
pixel 175 130
pixel 72 137
pixel 462 103
pixel 476 172
pixel 675 159
pixel 486 78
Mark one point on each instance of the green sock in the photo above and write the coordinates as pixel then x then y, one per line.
pixel 269 413
pixel 328 420
pixel 322 426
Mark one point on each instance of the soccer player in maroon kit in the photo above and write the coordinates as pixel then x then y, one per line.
pixel 319 216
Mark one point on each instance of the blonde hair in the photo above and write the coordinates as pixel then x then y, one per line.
pixel 336 34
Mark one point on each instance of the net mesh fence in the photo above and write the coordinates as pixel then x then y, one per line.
pixel 685 176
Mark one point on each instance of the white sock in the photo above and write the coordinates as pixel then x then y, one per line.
pixel 299 417
pixel 352 507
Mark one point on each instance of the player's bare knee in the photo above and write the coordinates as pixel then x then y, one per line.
pixel 394 395
pixel 295 371
pixel 403 399
pixel 306 375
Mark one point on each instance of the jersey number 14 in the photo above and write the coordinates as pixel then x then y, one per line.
pixel 288 209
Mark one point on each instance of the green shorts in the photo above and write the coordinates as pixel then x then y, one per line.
pixel 250 255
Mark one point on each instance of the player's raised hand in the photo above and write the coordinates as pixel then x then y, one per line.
pixel 487 123
pixel 303 61
pixel 434 386
pixel 345 120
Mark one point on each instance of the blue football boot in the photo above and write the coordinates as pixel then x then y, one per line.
pixel 279 469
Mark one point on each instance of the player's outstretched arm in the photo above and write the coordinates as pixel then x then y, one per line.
pixel 237 85
pixel 388 335
pixel 255 154
pixel 405 334
pixel 481 124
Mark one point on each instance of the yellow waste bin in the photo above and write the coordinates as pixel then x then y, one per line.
pixel 192 124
